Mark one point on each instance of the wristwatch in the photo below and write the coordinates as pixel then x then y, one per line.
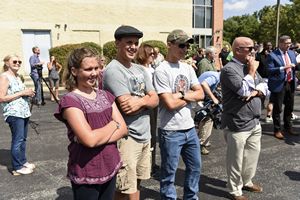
pixel 182 94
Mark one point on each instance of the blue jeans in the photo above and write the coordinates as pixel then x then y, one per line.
pixel 19 129
pixel 173 144
pixel 37 88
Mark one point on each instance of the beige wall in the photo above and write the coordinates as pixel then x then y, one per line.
pixel 75 21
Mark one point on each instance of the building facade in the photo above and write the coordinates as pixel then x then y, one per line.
pixel 50 23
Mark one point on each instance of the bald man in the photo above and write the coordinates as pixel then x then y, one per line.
pixel 242 88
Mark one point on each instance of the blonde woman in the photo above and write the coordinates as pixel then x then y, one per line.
pixel 15 106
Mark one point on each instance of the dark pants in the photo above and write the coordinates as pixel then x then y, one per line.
pixel 286 97
pixel 153 128
pixel 104 191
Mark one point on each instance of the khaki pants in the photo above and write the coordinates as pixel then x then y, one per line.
pixel 243 150
pixel 136 158
pixel 205 129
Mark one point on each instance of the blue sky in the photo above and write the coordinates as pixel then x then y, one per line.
pixel 241 7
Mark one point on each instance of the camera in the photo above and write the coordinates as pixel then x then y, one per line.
pixel 39 70
pixel 210 110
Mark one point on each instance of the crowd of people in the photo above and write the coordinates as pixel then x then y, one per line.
pixel 111 111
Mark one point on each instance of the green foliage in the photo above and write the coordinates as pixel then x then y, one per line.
pixel 161 45
pixel 110 50
pixel 191 51
pixel 61 53
pixel 261 26
pixel 246 25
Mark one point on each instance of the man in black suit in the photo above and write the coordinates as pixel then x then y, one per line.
pixel 282 84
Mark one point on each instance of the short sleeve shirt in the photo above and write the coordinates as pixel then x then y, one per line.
pixel 90 165
pixel 135 81
pixel 171 78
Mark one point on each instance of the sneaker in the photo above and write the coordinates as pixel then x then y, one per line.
pixel 268 119
pixel 204 151
pixel 22 171
pixel 294 117
pixel 29 165
pixel 208 144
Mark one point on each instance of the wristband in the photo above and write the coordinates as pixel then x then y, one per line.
pixel 117 124
pixel 182 94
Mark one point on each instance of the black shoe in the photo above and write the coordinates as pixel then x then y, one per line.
pixel 43 103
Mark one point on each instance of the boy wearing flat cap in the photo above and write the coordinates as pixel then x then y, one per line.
pixel 177 86
pixel 135 96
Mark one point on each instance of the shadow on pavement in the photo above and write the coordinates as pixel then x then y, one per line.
pixel 212 186
pixel 208 185
pixel 147 193
pixel 267 129
pixel 5 158
pixel 64 193
pixel 295 176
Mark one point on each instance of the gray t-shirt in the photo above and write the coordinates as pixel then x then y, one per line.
pixel 171 78
pixel 135 81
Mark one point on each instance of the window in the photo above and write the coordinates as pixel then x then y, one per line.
pixel 202 40
pixel 202 13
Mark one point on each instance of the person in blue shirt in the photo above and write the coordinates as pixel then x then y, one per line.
pixel 209 81
pixel 35 63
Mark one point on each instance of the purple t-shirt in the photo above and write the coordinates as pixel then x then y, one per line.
pixel 90 165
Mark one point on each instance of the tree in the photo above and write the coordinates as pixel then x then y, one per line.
pixel 246 25
pixel 261 25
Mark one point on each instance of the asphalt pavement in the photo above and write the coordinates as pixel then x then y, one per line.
pixel 278 168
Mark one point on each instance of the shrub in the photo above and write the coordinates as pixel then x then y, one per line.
pixel 61 53
pixel 161 45
pixel 110 50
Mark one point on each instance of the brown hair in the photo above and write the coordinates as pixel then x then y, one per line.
pixel 143 53
pixel 75 60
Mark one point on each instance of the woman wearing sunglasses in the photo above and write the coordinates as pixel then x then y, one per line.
pixel 15 106
pixel 145 57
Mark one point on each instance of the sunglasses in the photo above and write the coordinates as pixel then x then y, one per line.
pixel 249 48
pixel 182 46
pixel 17 61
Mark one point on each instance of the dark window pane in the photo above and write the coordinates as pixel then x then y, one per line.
pixel 208 17
pixel 199 17
pixel 208 40
pixel 202 42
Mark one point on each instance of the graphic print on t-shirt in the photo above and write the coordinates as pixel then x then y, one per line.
pixel 181 83
pixel 137 85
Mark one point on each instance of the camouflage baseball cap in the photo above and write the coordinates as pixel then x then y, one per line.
pixel 179 36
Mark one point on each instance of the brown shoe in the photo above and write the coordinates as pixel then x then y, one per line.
pixel 254 188
pixel 291 132
pixel 278 135
pixel 238 197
